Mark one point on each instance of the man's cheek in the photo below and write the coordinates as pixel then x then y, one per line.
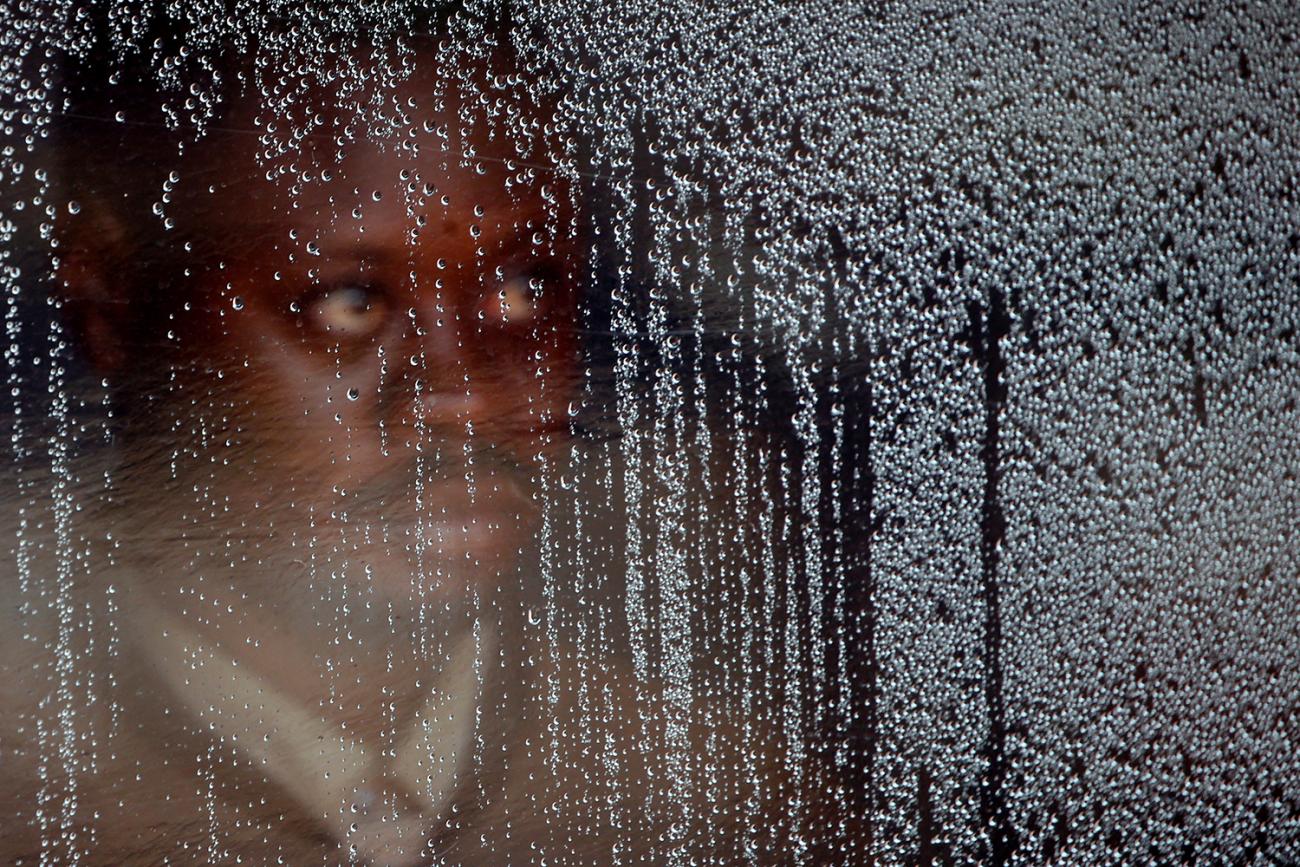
pixel 304 420
pixel 544 384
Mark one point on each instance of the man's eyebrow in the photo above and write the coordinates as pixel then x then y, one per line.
pixel 368 254
pixel 359 258
pixel 319 136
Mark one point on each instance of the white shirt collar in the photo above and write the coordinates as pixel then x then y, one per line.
pixel 380 801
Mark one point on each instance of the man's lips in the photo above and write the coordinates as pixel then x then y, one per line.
pixel 432 536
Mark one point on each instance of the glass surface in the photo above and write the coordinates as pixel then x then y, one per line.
pixel 655 433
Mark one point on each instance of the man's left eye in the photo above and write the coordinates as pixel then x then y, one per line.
pixel 346 311
pixel 515 302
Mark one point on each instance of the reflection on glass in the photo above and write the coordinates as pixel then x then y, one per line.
pixel 593 434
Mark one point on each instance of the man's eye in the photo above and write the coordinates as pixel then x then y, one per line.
pixel 515 303
pixel 346 312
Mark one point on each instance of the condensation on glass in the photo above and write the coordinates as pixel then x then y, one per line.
pixel 665 433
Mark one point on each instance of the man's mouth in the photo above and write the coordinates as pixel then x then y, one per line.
pixel 431 537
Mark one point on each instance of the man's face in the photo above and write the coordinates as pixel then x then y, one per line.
pixel 389 335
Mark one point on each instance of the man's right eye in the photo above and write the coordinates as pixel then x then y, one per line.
pixel 347 312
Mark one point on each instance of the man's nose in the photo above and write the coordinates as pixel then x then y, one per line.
pixel 442 373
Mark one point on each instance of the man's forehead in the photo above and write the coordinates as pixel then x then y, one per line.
pixel 370 188
pixel 432 143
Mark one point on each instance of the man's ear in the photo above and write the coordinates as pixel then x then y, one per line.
pixel 93 276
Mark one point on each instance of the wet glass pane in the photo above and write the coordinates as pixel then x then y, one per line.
pixel 649 433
